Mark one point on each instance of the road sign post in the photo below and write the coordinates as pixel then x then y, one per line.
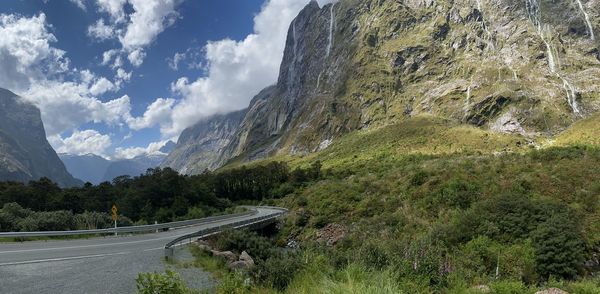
pixel 114 217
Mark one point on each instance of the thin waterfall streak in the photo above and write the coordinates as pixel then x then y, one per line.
pixel 587 20
pixel 534 15
pixel 331 27
pixel 292 68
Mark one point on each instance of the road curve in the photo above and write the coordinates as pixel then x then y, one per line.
pixel 96 265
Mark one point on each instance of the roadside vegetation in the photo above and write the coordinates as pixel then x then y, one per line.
pixel 496 218
pixel 494 213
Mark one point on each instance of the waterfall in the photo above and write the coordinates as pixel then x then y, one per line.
pixel 533 10
pixel 587 19
pixel 331 27
pixel 571 95
pixel 292 68
pixel 319 82
pixel 485 27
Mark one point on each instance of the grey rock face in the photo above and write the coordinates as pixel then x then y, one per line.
pixel 25 154
pixel 529 67
pixel 201 146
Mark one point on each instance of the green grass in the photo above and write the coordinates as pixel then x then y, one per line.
pixel 398 189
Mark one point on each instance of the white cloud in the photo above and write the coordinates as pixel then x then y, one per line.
pixel 101 31
pixel 150 18
pixel 133 152
pixel 67 105
pixel 102 86
pixel 123 75
pixel 174 62
pixel 237 70
pixel 80 4
pixel 136 30
pixel 82 142
pixel 157 113
pixel 193 57
pixel 29 65
pixel 26 53
pixel 136 57
pixel 115 8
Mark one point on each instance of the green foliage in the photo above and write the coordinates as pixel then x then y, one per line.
pixel 156 283
pixel 559 248
pixel 278 271
pixel 243 240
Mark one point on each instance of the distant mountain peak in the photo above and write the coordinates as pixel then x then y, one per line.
pixel 25 153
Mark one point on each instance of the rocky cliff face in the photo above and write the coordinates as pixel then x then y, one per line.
pixel 530 67
pixel 25 154
pixel 202 146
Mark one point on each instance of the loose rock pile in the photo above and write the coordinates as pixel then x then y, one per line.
pixel 242 262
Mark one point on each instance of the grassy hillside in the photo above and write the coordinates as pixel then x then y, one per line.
pixel 586 131
pixel 429 206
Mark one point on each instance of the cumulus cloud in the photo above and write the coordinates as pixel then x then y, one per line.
pixel 157 113
pixel 136 30
pixel 26 52
pixel 101 31
pixel 136 57
pixel 82 142
pixel 102 86
pixel 237 70
pixel 133 152
pixel 115 8
pixel 29 65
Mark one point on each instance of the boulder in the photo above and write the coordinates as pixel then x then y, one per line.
pixel 552 291
pixel 245 257
pixel 239 265
pixel 228 255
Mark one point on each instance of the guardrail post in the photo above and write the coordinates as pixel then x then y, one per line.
pixel 168 253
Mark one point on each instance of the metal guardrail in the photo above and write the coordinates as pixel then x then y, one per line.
pixel 130 229
pixel 234 225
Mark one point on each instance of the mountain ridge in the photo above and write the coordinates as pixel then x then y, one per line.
pixel 530 68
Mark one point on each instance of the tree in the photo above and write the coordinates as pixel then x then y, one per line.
pixel 559 247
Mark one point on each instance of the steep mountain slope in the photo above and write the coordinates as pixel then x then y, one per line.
pixel 25 154
pixel 88 168
pixel 527 67
pixel 199 147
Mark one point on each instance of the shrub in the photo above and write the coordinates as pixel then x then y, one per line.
pixel 244 240
pixel 278 271
pixel 157 283
pixel 559 248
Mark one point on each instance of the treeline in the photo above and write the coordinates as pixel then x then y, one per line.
pixel 160 194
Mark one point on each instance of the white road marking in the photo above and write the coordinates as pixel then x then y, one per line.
pixel 62 259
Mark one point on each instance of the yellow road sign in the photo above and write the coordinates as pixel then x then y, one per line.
pixel 114 212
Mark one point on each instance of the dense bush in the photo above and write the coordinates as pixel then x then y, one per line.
pixel 15 218
pixel 559 248
pixel 259 247
pixel 156 283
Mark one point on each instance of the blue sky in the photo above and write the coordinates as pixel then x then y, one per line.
pixel 119 78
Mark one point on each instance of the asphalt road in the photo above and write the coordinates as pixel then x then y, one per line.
pixel 96 265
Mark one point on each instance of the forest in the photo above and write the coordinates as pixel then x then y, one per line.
pixel 160 195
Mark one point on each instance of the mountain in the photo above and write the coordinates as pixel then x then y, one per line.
pixel 131 167
pixel 96 169
pixel 89 168
pixel 25 154
pixel 524 67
